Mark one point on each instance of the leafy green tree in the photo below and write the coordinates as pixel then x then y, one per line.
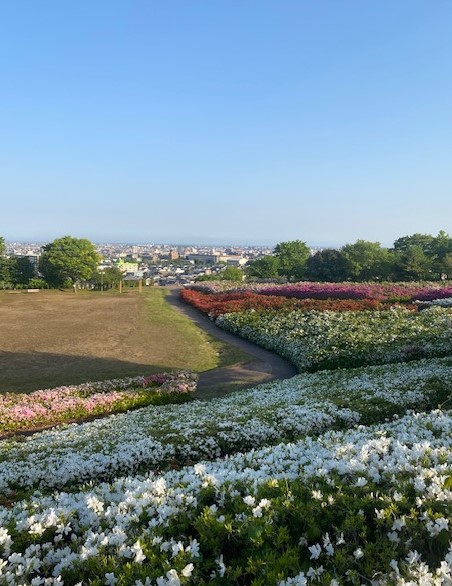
pixel 423 241
pixel 266 267
pixel 68 259
pixel 446 266
pixel 367 261
pixel 108 278
pixel 38 283
pixel 441 249
pixel 441 244
pixel 232 273
pixel 5 275
pixel 21 270
pixel 4 265
pixel 414 264
pixel 327 265
pixel 292 257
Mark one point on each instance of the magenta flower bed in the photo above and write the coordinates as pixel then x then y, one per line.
pixel 429 294
pixel 386 292
pixel 381 292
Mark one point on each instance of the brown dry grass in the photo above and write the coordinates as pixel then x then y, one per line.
pixel 53 338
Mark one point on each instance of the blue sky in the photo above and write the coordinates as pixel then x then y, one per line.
pixel 234 121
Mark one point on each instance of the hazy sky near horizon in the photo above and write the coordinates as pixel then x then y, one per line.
pixel 225 121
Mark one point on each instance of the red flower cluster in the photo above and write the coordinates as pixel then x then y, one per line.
pixel 215 304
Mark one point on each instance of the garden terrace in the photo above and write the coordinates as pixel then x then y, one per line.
pixel 216 304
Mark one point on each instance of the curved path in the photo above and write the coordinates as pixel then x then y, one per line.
pixel 264 365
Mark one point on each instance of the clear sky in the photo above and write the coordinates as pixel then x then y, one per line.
pixel 225 121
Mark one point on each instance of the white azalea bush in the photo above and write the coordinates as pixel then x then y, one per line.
pixel 366 506
pixel 446 302
pixel 317 340
pixel 173 435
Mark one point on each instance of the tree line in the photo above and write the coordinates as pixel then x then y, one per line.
pixel 65 262
pixel 412 258
pixel 68 261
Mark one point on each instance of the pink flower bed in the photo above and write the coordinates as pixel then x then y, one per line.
pixel 20 411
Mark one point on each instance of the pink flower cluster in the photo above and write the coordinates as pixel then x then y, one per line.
pixel 173 382
pixel 50 406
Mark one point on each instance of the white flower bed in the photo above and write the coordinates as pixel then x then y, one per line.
pixel 413 454
pixel 315 340
pixel 445 302
pixel 151 437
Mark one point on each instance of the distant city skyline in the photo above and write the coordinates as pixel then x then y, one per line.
pixel 247 123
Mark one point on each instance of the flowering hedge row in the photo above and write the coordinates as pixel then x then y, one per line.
pixel 384 291
pixel 317 340
pixel 391 292
pixel 215 304
pixel 19 411
pixel 367 506
pixel 156 437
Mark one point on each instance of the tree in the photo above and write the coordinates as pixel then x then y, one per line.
pixel 21 270
pixel 441 253
pixel 367 260
pixel 232 273
pixel 446 266
pixel 108 278
pixel 326 265
pixel 68 259
pixel 4 264
pixel 5 275
pixel 414 264
pixel 292 257
pixel 423 241
pixel 266 267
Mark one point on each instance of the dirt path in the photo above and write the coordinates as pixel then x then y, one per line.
pixel 264 365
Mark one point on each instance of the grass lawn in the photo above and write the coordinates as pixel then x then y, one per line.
pixel 53 338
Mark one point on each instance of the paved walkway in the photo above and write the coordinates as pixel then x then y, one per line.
pixel 264 365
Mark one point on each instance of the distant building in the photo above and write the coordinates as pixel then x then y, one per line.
pixel 235 261
pixel 127 267
pixel 206 259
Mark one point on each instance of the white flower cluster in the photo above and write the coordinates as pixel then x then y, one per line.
pixel 413 453
pixel 150 437
pixel 330 339
pixel 445 302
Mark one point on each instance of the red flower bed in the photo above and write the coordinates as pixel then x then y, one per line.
pixel 215 304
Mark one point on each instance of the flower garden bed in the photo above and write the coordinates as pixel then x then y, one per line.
pixel 389 292
pixel 169 435
pixel 371 505
pixel 332 478
pixel 21 412
pixel 215 304
pixel 318 340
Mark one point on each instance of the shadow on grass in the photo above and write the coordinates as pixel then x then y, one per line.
pixel 31 371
